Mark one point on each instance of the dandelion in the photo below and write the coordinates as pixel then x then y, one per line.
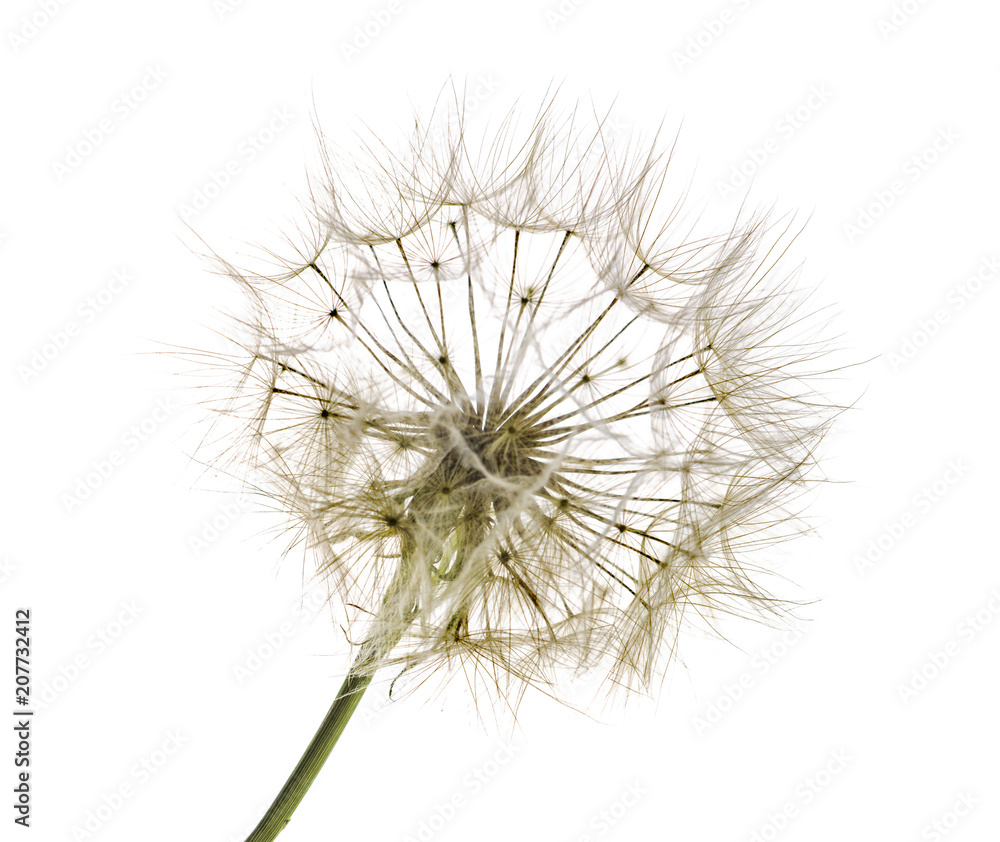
pixel 524 417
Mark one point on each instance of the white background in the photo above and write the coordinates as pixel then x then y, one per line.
pixel 137 631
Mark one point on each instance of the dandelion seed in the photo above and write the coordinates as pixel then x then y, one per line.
pixel 524 419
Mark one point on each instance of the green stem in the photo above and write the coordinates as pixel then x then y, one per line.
pixel 280 812
pixel 387 631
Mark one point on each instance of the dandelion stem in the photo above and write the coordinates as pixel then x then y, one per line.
pixel 397 614
pixel 279 814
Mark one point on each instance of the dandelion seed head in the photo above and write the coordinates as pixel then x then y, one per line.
pixel 509 374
